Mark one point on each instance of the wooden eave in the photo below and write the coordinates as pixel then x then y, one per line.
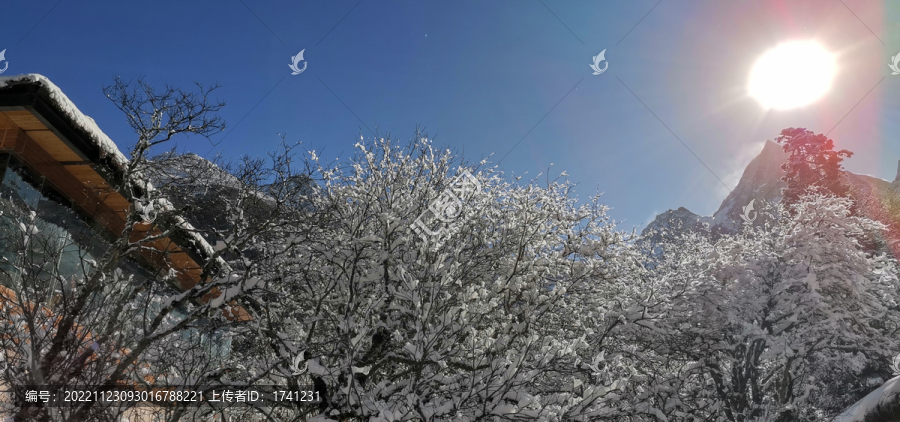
pixel 74 177
pixel 76 168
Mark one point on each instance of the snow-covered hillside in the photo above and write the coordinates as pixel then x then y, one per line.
pixel 881 405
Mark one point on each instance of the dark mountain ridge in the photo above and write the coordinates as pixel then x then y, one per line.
pixel 761 181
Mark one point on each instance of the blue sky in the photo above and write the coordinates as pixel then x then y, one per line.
pixel 481 75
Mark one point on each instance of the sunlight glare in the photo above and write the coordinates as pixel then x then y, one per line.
pixel 793 74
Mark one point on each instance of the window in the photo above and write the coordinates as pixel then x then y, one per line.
pixel 40 234
pixel 58 242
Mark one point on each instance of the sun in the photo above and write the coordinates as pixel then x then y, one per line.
pixel 791 75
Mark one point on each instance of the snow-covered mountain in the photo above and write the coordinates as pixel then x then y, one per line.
pixel 761 181
pixel 210 194
pixel 672 222
pixel 199 185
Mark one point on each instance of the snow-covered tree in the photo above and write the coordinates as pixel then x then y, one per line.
pixel 812 162
pixel 788 321
pixel 420 289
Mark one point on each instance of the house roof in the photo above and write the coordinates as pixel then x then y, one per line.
pixel 43 129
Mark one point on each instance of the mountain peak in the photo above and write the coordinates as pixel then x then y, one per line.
pixel 674 221
pixel 769 146
pixel 761 180
pixel 897 179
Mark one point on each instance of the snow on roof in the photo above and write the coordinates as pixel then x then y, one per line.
pixel 886 395
pixel 62 103
pixel 108 148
